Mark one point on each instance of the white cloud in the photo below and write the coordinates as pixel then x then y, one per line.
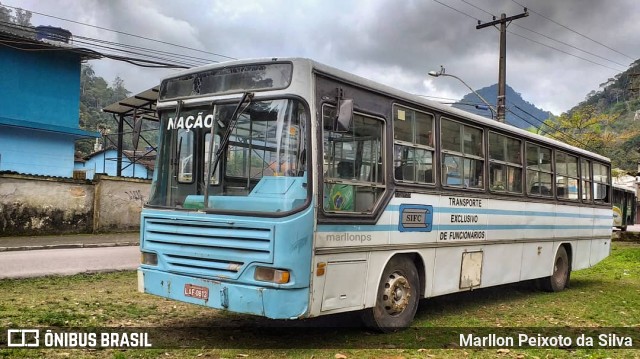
pixel 392 42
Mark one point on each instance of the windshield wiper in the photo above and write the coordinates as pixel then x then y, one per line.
pixel 176 156
pixel 247 96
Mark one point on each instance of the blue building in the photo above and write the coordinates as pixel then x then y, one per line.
pixel 40 103
pixel 136 165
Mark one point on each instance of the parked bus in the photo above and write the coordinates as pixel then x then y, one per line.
pixel 289 189
pixel 624 207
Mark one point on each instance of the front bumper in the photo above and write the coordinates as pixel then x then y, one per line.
pixel 272 303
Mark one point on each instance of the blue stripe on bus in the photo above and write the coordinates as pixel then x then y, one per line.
pixel 449 227
pixel 506 212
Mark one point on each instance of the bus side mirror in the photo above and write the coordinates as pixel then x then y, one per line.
pixel 345 116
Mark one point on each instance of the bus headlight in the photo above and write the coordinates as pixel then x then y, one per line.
pixel 149 258
pixel 265 274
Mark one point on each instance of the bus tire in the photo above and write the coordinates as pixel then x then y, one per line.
pixel 397 297
pixel 559 280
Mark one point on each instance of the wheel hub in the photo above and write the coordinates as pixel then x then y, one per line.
pixel 396 293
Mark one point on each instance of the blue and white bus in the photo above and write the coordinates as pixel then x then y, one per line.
pixel 289 189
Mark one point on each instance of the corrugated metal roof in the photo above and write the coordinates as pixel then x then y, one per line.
pixel 142 104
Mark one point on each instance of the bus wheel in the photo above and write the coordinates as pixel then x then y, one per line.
pixel 561 272
pixel 397 297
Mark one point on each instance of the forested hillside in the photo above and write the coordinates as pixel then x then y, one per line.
pixel 520 113
pixel 95 94
pixel 606 122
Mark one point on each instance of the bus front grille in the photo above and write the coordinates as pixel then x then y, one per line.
pixel 207 249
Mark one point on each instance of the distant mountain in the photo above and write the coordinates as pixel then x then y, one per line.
pixel 520 113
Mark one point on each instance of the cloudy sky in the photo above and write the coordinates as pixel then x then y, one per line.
pixel 555 56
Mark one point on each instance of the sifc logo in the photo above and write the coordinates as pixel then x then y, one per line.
pixel 23 338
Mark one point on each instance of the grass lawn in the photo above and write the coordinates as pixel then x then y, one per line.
pixel 607 295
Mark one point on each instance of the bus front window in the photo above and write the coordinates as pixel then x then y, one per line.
pixel 263 160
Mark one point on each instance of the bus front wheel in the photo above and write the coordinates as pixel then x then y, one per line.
pixel 561 272
pixel 397 297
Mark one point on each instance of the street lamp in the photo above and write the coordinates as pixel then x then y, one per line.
pixel 442 73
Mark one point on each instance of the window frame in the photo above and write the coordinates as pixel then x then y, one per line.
pixel 506 163
pixel 607 184
pixel 414 144
pixel 327 180
pixel 540 170
pixel 586 183
pixel 464 156
pixel 567 175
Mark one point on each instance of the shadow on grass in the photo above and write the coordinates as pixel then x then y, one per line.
pixel 342 330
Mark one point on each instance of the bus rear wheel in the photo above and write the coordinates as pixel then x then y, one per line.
pixel 559 280
pixel 397 297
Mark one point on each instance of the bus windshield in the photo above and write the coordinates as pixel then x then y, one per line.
pixel 261 169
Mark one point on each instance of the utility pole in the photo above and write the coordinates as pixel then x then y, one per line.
pixel 504 21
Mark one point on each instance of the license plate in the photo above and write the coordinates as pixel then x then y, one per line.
pixel 196 291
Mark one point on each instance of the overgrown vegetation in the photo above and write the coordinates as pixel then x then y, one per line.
pixel 607 122
pixel 95 94
pixel 607 295
pixel 15 21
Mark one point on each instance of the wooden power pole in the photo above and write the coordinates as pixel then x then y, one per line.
pixel 504 21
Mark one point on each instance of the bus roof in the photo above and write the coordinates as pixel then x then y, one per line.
pixel 390 91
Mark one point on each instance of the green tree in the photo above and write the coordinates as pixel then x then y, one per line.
pixel 584 127
pixel 16 21
pixel 95 94
pixel 119 91
pixel 590 129
pixel 86 78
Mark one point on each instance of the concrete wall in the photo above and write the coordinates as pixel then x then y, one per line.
pixel 118 203
pixel 36 206
pixel 31 205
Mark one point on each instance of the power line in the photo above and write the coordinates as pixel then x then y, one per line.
pixel 574 47
pixel 550 38
pixel 574 31
pixel 135 53
pixel 477 7
pixel 456 10
pixel 563 133
pixel 564 52
pixel 91 46
pixel 125 33
pixel 199 59
pixel 132 60
pixel 440 98
pixel 542 131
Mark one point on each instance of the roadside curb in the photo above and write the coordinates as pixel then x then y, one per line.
pixel 68 246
